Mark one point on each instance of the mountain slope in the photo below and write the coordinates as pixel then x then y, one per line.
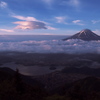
pixel 86 35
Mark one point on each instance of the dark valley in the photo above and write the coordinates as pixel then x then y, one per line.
pixel 78 79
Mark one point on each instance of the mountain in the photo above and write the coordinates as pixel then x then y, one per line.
pixel 85 34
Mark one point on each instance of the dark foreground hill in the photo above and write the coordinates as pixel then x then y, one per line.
pixel 14 87
pixel 86 35
pixel 83 89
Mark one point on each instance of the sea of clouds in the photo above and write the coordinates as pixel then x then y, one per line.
pixel 71 46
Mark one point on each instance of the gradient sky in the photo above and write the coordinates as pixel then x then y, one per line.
pixel 48 17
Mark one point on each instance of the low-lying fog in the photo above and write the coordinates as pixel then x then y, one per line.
pixel 52 46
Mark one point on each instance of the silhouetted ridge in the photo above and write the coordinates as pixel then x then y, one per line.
pixel 86 35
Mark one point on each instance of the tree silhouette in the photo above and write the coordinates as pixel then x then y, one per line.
pixel 18 82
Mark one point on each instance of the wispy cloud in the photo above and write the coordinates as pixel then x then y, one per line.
pixel 97 31
pixel 3 4
pixel 51 28
pixel 24 18
pixel 72 3
pixel 49 4
pixel 47 1
pixel 95 21
pixel 28 18
pixel 5 8
pixel 61 19
pixel 78 22
pixel 6 30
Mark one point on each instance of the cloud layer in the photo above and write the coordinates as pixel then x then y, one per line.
pixel 52 46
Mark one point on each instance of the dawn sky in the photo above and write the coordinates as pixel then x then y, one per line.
pixel 48 17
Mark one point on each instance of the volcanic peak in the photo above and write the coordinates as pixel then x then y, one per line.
pixel 85 34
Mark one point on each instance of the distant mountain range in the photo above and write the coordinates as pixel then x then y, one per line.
pixel 85 34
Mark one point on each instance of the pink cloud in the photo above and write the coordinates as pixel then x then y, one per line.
pixel 6 30
pixel 29 25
